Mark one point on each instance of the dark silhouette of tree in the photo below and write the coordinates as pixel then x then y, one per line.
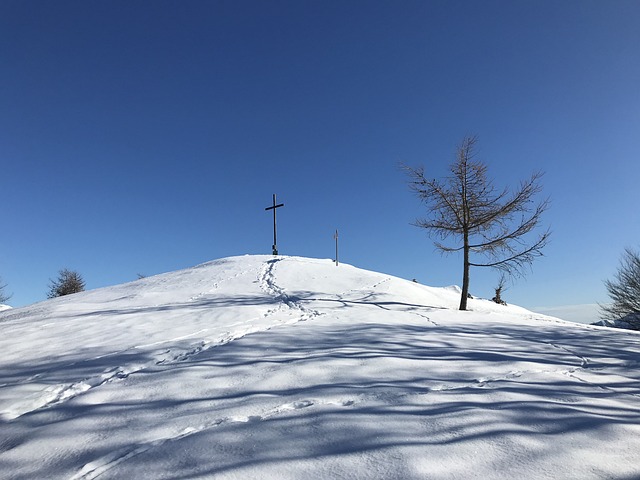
pixel 500 289
pixel 68 282
pixel 3 296
pixel 624 291
pixel 490 226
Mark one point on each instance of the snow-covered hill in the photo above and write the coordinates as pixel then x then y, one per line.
pixel 263 367
pixel 630 322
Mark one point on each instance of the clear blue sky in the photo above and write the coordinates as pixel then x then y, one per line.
pixel 148 136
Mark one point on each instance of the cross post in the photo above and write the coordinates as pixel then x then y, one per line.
pixel 273 207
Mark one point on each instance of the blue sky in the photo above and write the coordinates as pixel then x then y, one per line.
pixel 148 136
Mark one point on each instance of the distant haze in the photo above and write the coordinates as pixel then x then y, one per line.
pixel 585 313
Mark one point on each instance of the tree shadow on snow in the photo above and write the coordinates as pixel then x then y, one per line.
pixel 506 398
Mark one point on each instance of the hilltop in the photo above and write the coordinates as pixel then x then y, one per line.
pixel 287 367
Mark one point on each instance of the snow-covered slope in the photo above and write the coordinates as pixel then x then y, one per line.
pixel 263 367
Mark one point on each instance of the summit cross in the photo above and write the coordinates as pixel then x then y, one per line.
pixel 273 207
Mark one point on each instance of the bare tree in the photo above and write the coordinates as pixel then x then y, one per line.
pixel 3 296
pixel 500 289
pixel 68 282
pixel 489 223
pixel 624 291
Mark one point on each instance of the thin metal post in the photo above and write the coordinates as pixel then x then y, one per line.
pixel 336 237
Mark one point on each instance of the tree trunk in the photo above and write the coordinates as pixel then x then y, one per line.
pixel 465 275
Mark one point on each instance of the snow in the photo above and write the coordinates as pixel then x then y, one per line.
pixel 287 367
pixel 630 321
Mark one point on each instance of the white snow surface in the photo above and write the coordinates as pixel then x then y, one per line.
pixel 293 368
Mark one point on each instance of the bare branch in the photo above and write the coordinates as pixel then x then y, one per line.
pixel 3 296
pixel 519 259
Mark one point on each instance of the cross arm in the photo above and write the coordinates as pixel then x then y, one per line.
pixel 274 206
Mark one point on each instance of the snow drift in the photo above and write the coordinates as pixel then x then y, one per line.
pixel 285 367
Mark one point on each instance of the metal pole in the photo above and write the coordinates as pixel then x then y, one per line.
pixel 336 237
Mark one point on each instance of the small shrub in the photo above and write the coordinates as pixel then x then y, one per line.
pixel 499 289
pixel 68 282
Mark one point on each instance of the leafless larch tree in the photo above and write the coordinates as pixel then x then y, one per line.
pixel 468 214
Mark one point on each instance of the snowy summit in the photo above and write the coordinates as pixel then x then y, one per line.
pixel 293 368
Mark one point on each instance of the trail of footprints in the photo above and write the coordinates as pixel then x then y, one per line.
pixel 101 465
pixel 60 393
pixel 267 282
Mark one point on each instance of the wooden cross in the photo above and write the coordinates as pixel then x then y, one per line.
pixel 273 207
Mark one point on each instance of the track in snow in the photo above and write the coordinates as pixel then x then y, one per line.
pixel 268 283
